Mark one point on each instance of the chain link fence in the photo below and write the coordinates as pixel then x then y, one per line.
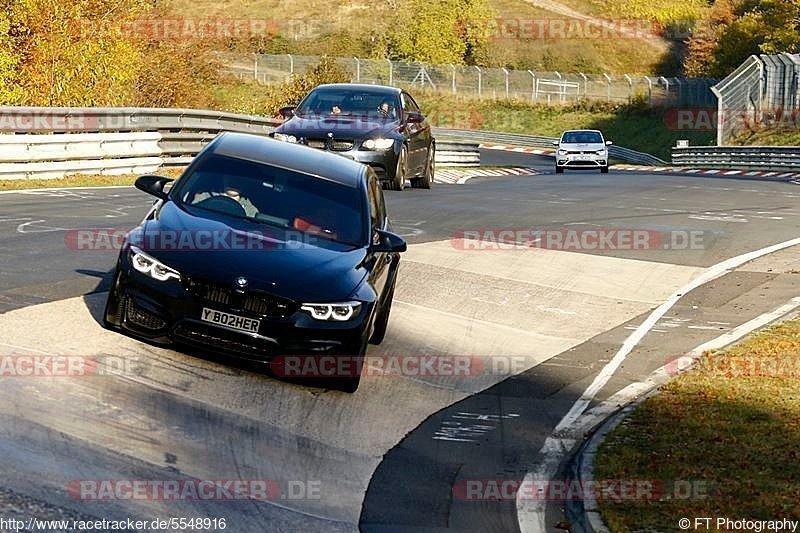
pixel 487 83
pixel 762 91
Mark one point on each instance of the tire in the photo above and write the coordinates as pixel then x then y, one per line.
pixel 382 320
pixel 399 181
pixel 426 181
pixel 604 170
pixel 559 170
pixel 112 304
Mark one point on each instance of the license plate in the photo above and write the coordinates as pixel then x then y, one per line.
pixel 228 320
pixel 584 157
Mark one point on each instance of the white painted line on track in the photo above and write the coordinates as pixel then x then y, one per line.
pixel 531 514
pixel 55 189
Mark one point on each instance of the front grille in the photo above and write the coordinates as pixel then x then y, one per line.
pixel 341 146
pixel 260 303
pixel 337 145
pixel 141 318
pixel 585 152
pixel 216 338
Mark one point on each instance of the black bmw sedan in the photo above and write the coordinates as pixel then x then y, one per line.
pixel 379 126
pixel 261 249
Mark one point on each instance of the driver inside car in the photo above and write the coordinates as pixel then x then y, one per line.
pixel 230 192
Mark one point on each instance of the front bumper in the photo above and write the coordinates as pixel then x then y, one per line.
pixel 581 160
pixel 169 312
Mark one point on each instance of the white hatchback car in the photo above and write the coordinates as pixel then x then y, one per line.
pixel 582 149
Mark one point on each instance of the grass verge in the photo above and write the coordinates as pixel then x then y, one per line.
pixel 730 426
pixel 79 180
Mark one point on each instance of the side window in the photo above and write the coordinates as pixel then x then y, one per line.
pixel 376 205
pixel 408 103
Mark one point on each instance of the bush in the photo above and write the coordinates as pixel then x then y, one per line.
pixel 292 91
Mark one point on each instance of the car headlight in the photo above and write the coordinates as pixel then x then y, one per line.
pixel 152 266
pixel 338 312
pixel 378 144
pixel 285 138
pixel 561 151
pixel 601 152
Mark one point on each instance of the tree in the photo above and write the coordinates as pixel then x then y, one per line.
pixel 444 31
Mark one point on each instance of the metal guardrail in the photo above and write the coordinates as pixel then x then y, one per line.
pixel 514 139
pixel 54 141
pixel 786 158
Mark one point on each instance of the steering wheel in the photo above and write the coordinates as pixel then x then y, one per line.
pixel 224 204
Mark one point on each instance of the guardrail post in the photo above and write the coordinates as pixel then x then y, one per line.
pixel 608 87
pixel 649 90
pixel 533 85
pixel 391 66
pixel 453 69
pixel 666 87
pixel 505 71
pixel 480 80
pixel 630 88
pixel 358 69
pixel 255 67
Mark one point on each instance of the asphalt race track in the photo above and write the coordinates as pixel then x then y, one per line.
pixel 539 323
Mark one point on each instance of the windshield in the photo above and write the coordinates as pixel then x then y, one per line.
pixel 582 137
pixel 275 197
pixel 348 102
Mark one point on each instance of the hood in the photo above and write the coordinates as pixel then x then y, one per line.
pixel 343 127
pixel 219 249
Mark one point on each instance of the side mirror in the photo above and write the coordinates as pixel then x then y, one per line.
pixel 556 143
pixel 287 112
pixel 412 117
pixel 609 143
pixel 387 242
pixel 154 185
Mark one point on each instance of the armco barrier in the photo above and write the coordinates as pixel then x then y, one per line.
pixel 514 139
pixel 50 142
pixel 739 157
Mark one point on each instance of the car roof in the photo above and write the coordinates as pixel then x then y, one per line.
pixel 582 131
pixel 361 87
pixel 260 149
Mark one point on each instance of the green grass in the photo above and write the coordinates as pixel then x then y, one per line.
pixel 770 138
pixel 79 180
pixel 725 424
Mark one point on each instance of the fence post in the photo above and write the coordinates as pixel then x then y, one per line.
pixel 391 77
pixel 608 87
pixel 630 88
pixel 255 67
pixel 505 72
pixel 358 70
pixel 649 90
pixel 291 64
pixel 533 85
pixel 480 80
pixel 561 91
pixel 585 86
pixel 453 68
